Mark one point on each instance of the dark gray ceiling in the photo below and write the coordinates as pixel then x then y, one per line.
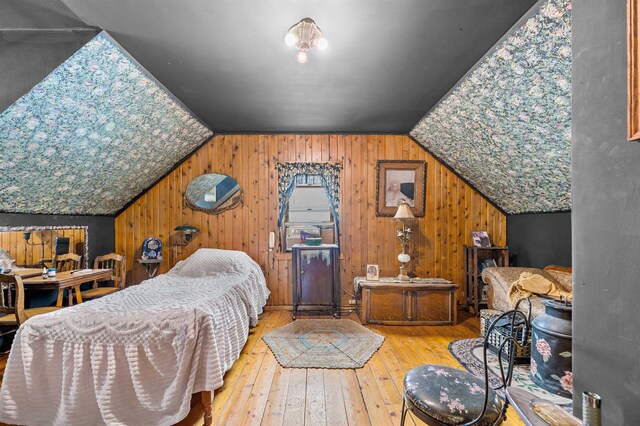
pixel 387 64
pixel 35 37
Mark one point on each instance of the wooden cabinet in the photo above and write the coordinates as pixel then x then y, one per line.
pixel 476 291
pixel 423 301
pixel 316 279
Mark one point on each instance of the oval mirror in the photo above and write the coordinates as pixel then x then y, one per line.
pixel 213 193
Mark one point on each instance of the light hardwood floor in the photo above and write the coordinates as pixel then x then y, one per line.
pixel 258 391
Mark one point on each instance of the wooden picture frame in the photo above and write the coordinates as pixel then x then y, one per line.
pixel 633 70
pixel 397 180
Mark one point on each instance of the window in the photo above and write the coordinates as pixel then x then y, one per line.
pixel 308 215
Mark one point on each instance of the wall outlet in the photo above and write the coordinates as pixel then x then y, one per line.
pixel 352 301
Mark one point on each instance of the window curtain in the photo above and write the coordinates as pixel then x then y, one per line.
pixel 326 175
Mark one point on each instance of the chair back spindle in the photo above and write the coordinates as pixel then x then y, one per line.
pixel 67 262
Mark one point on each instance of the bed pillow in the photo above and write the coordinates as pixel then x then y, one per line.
pixel 206 262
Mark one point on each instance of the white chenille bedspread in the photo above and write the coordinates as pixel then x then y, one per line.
pixel 136 356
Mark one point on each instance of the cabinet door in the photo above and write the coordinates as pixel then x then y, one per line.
pixel 316 277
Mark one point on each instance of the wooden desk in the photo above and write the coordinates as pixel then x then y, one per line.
pixel 423 301
pixel 67 280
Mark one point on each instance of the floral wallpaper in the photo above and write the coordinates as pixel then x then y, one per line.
pixel 506 127
pixel 91 136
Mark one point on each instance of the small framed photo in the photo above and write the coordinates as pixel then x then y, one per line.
pixel 480 239
pixel 400 181
pixel 373 273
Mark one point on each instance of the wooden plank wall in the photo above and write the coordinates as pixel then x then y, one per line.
pixel 453 209
pixel 29 255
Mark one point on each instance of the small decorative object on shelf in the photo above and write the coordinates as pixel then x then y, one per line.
pixel 480 239
pixel 152 248
pixel 404 217
pixel 475 261
pixel 373 273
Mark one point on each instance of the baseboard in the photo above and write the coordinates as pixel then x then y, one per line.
pixel 274 308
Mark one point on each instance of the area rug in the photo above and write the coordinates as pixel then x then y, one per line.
pixel 469 353
pixel 319 343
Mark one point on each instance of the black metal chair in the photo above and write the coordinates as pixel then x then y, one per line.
pixel 440 395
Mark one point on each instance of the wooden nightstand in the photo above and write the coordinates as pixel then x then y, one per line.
pixel 422 301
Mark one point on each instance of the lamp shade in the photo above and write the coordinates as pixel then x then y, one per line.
pixel 404 212
pixel 187 229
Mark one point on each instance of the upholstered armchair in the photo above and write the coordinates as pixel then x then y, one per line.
pixel 500 279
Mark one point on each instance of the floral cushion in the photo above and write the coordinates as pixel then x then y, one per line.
pixel 449 395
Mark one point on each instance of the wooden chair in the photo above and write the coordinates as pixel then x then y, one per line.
pixel 117 264
pixel 64 263
pixel 440 395
pixel 67 262
pixel 12 303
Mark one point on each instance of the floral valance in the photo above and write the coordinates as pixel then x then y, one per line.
pixel 326 175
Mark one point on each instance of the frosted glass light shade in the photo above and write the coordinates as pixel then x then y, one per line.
pixel 290 39
pixel 404 258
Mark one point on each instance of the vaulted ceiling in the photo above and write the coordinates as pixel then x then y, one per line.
pixel 132 102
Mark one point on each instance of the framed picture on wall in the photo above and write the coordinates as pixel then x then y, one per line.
pixel 400 180
pixel 480 239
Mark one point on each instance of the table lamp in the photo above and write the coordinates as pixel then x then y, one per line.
pixel 404 217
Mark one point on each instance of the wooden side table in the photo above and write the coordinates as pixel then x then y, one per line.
pixel 422 301
pixel 151 266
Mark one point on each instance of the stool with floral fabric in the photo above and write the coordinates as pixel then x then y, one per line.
pixel 441 395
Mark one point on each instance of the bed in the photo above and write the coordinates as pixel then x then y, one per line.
pixel 136 356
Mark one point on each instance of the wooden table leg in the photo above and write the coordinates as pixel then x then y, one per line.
pixel 60 295
pixel 70 296
pixel 208 411
pixel 78 294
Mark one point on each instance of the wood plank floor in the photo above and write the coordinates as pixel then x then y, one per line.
pixel 258 391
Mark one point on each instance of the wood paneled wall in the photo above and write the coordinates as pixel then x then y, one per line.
pixel 29 255
pixel 453 209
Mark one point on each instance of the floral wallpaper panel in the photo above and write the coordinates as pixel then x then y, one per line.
pixel 506 127
pixel 91 136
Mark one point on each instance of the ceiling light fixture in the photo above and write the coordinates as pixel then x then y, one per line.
pixel 305 35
